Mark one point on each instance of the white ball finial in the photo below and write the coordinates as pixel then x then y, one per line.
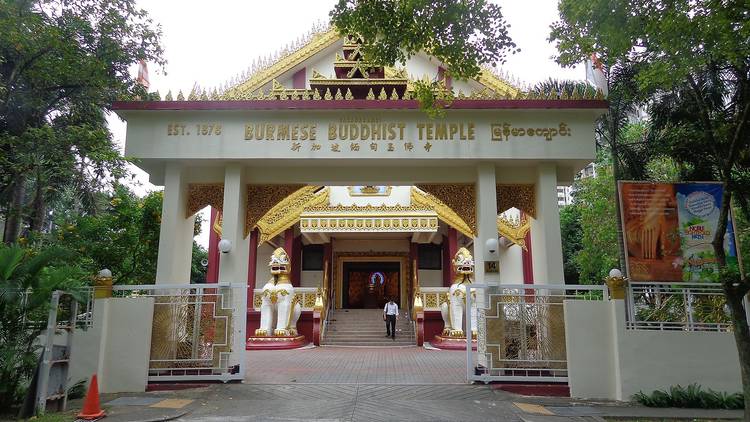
pixel 225 245
pixel 615 273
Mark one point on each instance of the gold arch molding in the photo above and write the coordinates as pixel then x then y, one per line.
pixel 201 195
pixel 274 208
pixel 522 197
pixel 455 204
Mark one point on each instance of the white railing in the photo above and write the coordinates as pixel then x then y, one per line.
pixel 677 306
pixel 198 330
pixel 433 297
pixel 20 297
pixel 521 330
pixel 305 295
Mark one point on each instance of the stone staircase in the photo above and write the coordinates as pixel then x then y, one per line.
pixel 365 327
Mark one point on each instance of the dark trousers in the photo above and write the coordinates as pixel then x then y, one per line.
pixel 390 325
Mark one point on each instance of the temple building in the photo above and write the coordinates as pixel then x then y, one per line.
pixel 332 191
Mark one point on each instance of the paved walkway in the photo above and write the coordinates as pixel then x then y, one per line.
pixel 367 402
pixel 367 384
pixel 356 365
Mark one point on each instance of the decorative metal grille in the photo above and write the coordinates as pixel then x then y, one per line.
pixel 683 306
pixel 197 331
pixel 521 331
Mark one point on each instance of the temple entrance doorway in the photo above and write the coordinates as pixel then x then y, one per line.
pixel 367 280
pixel 369 285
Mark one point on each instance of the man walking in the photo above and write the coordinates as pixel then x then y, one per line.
pixel 390 314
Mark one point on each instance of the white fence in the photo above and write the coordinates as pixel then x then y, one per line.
pixel 521 331
pixel 677 306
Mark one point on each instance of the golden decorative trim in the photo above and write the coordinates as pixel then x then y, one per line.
pixel 218 222
pixel 367 224
pixel 261 198
pixel 500 86
pixel 201 195
pixel 358 209
pixel 305 296
pixel 286 212
pixel 514 230
pixel 369 190
pixel 357 82
pixel 318 43
pixel 454 203
pixel 522 197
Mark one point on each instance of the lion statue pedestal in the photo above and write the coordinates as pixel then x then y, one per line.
pixel 279 310
pixel 453 311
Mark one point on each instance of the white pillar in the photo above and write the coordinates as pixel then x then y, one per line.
pixel 486 221
pixel 176 231
pixel 546 241
pixel 233 265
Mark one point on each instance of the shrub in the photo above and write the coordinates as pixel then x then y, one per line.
pixel 691 396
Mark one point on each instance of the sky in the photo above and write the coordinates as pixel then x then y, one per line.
pixel 208 42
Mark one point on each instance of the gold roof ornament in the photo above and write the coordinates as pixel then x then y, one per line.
pixel 444 212
pixel 494 84
pixel 287 211
pixel 514 229
pixel 319 40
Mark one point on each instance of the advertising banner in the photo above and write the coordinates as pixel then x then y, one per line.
pixel 668 229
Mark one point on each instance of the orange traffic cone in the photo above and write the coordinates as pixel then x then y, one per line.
pixel 91 408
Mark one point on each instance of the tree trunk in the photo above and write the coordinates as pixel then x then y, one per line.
pixel 15 209
pixel 616 175
pixel 735 288
pixel 735 297
pixel 39 207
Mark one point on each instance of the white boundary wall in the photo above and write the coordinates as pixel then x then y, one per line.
pixel 116 347
pixel 606 360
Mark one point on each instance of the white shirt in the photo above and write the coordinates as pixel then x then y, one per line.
pixel 391 308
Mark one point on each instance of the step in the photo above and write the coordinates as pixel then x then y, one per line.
pixel 375 331
pixel 386 342
pixel 365 336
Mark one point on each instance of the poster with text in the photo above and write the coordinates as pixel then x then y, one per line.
pixel 668 230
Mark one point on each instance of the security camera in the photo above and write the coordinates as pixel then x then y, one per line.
pixel 491 245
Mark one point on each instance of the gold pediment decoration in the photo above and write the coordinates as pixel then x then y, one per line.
pixel 318 43
pixel 455 217
pixel 522 197
pixel 514 229
pixel 260 200
pixel 286 212
pixel 498 85
pixel 201 195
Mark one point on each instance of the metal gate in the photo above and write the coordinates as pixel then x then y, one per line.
pixel 521 331
pixel 198 330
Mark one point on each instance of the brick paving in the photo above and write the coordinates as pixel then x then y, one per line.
pixel 350 402
pixel 356 365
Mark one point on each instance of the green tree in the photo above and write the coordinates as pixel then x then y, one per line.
pixel 462 35
pixel 27 280
pixel 123 237
pixel 197 270
pixel 595 199
pixel 62 63
pixel 692 64
pixel 571 233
